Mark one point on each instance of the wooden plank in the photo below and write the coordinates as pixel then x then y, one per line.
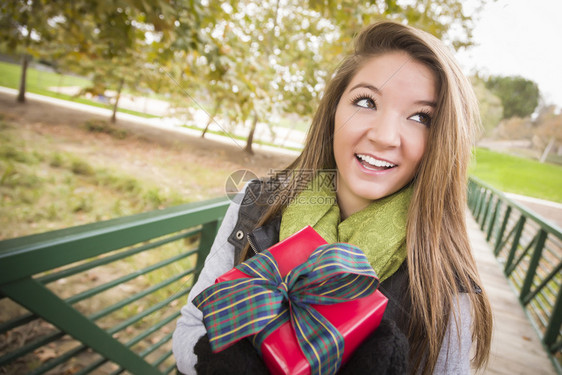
pixel 516 348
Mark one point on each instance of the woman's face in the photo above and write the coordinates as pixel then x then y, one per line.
pixel 381 128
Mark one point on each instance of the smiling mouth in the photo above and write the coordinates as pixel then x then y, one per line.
pixel 373 164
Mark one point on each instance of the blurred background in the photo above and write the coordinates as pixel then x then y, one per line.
pixel 110 108
pixel 245 73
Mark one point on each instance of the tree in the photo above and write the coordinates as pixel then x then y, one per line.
pixel 287 49
pixel 250 61
pixel 446 19
pixel 519 96
pixel 265 63
pixel 24 25
pixel 491 110
pixel 117 43
pixel 549 125
pixel 120 44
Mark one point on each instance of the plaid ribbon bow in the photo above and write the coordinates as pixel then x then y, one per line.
pixel 259 305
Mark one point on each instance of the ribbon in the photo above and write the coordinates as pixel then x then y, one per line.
pixel 259 305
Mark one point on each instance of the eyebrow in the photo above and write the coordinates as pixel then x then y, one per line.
pixel 376 90
pixel 427 103
pixel 367 86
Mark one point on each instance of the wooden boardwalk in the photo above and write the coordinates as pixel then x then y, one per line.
pixel 516 348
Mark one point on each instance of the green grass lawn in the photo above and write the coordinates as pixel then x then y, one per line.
pixel 518 175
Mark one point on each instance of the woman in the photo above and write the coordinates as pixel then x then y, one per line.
pixel 396 124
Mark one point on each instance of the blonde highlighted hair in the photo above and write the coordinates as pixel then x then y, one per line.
pixel 439 254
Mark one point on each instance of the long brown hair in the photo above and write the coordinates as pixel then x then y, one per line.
pixel 439 255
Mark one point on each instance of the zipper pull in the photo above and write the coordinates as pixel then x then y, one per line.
pixel 250 238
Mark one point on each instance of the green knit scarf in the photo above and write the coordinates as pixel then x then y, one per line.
pixel 379 229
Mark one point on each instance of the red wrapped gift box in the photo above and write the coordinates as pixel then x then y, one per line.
pixel 355 319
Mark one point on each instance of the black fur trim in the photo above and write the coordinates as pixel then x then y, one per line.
pixel 384 352
pixel 240 358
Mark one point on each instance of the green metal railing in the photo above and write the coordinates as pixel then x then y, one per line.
pixel 102 297
pixel 530 249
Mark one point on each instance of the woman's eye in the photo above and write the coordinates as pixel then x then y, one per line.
pixel 365 103
pixel 422 118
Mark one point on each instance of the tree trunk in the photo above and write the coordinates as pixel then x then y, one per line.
pixel 24 63
pixel 211 118
pixel 250 140
pixel 115 106
pixel 61 76
pixel 547 150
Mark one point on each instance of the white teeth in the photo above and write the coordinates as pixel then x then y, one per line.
pixel 375 162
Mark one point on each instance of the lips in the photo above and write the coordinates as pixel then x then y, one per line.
pixel 372 163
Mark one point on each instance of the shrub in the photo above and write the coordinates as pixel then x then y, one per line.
pixel 102 126
pixel 80 167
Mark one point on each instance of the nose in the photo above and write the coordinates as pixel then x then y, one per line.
pixel 384 130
